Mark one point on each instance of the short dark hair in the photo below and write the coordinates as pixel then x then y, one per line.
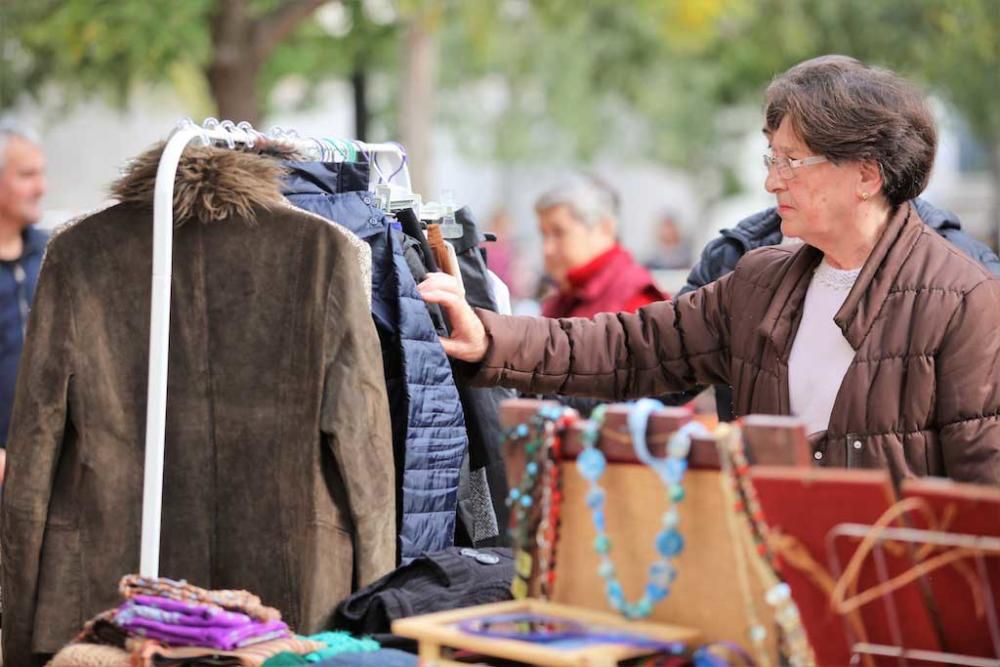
pixel 848 111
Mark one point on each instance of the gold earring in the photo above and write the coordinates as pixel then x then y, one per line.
pixel 865 196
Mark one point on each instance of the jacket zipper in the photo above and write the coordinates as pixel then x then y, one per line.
pixel 20 278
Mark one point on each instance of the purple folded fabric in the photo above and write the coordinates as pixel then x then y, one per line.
pixel 223 638
pixel 177 612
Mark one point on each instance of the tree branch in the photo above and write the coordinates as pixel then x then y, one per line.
pixel 228 26
pixel 274 26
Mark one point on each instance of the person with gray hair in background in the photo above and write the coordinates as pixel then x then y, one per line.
pixel 592 272
pixel 22 185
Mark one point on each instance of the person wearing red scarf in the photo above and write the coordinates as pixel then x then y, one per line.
pixel 593 273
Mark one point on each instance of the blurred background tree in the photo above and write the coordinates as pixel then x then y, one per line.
pixel 676 81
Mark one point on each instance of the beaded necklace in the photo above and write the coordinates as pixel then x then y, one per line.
pixel 753 536
pixel 669 542
pixel 547 535
pixel 541 439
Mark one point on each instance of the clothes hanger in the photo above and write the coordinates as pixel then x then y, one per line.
pixel 345 149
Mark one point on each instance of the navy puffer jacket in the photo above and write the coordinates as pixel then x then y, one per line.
pixel 428 427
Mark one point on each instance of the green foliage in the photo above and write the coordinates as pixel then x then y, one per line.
pixel 316 55
pixel 94 45
pixel 564 76
pixel 576 78
pixel 576 70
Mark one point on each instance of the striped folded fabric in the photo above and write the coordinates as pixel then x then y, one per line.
pixel 250 656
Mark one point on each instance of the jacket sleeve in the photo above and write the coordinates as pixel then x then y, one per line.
pixel 355 417
pixel 666 346
pixel 34 445
pixel 968 394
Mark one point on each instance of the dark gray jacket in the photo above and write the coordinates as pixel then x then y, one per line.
pixel 764 228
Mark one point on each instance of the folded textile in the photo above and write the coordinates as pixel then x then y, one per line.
pixel 285 659
pixel 178 612
pixel 199 661
pixel 102 630
pixel 224 638
pixel 132 585
pixel 387 657
pixel 90 655
pixel 448 579
pixel 250 656
pixel 340 642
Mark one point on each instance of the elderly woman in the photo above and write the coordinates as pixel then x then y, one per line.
pixel 875 331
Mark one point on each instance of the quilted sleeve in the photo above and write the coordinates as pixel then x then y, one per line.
pixel 968 388
pixel 664 347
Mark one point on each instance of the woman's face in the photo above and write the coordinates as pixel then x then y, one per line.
pixel 820 203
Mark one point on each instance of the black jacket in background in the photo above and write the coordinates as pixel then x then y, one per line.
pixel 449 579
pixel 721 254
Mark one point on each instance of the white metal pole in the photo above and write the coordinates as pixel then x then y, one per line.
pixel 159 346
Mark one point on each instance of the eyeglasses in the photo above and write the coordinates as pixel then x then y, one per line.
pixel 786 168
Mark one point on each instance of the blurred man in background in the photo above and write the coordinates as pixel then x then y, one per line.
pixel 592 272
pixel 22 184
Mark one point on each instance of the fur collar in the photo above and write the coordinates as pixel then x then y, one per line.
pixel 212 183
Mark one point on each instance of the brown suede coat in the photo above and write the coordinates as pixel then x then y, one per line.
pixel 922 396
pixel 278 467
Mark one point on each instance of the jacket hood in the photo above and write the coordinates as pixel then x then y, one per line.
pixel 760 229
pixel 211 184
pixel 936 218
pixel 324 178
pixel 764 227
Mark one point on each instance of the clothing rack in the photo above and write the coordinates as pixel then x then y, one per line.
pixel 219 133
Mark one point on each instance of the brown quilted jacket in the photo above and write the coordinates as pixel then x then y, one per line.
pixel 921 396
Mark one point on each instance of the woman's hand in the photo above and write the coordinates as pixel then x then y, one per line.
pixel 468 337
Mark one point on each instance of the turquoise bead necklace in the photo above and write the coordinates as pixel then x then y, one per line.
pixel 669 542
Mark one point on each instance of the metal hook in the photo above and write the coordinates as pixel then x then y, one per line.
pixel 322 148
pixel 334 150
pixel 229 127
pixel 187 123
pixel 402 159
pixel 209 123
pixel 247 129
pixel 372 156
pixel 338 149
